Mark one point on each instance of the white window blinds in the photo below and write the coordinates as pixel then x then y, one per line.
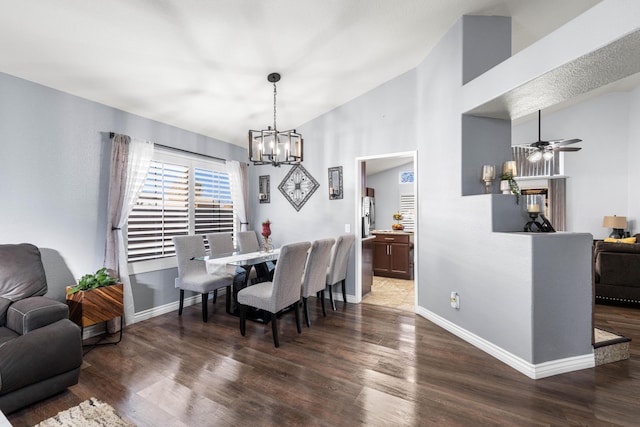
pixel 161 212
pixel 408 211
pixel 182 195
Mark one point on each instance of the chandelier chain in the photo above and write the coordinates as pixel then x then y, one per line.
pixel 274 106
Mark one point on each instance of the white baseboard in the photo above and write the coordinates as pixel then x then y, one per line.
pixel 167 308
pixel 534 371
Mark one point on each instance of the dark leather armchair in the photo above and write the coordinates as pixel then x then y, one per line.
pixel 40 348
pixel 617 271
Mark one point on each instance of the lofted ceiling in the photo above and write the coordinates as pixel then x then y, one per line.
pixel 202 65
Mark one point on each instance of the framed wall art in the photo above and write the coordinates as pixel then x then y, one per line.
pixel 298 186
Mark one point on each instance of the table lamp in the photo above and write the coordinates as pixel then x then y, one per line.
pixel 617 223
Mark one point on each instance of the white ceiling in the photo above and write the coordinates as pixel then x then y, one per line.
pixel 202 65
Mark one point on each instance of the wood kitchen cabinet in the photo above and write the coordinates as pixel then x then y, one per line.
pixel 393 255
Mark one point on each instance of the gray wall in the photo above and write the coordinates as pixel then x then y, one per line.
pixel 387 194
pixel 362 127
pixel 54 167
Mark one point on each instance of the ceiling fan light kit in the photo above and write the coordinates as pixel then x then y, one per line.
pixel 545 149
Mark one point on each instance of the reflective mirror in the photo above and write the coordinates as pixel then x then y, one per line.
pixel 335 183
pixel 264 193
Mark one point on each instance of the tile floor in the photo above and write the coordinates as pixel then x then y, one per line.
pixel 390 292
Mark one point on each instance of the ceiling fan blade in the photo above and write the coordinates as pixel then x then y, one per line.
pixel 563 142
pixel 567 149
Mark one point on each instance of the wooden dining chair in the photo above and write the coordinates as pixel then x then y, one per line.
pixel 337 271
pixel 280 293
pixel 192 273
pixel 315 274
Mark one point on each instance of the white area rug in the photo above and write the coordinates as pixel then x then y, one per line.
pixel 89 413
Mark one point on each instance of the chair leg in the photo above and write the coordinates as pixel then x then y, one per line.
pixel 181 302
pixel 215 296
pixel 306 312
pixel 344 292
pixel 296 309
pixel 243 318
pixel 227 299
pixel 274 329
pixel 333 304
pixel 205 297
pixel 324 310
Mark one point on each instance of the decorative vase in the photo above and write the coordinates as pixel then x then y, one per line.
pixel 266 244
pixel 504 187
pixel 266 232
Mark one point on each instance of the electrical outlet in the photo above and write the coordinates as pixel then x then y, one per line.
pixel 455 300
pixel 347 228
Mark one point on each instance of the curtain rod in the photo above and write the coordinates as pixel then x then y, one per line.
pixel 112 134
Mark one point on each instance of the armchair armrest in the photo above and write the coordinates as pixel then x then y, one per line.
pixel 32 313
pixel 41 354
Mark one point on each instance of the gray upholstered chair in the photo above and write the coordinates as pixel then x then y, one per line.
pixel 220 243
pixel 248 242
pixel 192 274
pixel 337 271
pixel 40 348
pixel 282 292
pixel 315 274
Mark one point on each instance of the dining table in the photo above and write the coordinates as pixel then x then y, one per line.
pixel 238 265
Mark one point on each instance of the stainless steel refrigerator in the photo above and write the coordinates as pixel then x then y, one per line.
pixel 368 215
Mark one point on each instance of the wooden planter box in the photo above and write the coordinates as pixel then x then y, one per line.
pixel 87 308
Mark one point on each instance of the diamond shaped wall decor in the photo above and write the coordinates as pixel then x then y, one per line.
pixel 298 186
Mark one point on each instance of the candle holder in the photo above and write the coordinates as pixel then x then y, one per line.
pixel 488 175
pixel 534 211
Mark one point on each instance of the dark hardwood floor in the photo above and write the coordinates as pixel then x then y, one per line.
pixel 361 365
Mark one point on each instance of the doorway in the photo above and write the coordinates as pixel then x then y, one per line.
pixel 392 178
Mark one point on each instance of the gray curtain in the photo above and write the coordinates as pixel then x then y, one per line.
pixel 239 191
pixel 130 161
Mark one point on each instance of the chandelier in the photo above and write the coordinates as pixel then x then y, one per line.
pixel 272 146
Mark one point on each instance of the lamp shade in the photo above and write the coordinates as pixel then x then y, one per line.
pixel 614 222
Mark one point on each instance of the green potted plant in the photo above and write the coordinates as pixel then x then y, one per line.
pixel 511 186
pixel 92 281
pixel 96 298
pixel 508 184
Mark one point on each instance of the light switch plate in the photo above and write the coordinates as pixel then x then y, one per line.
pixel 347 228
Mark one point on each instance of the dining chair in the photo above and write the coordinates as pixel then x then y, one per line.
pixel 315 274
pixel 280 293
pixel 220 243
pixel 248 242
pixel 337 271
pixel 192 273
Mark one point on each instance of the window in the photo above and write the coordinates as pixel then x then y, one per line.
pixel 408 211
pixel 182 195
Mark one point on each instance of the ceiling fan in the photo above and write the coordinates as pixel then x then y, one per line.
pixel 544 149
